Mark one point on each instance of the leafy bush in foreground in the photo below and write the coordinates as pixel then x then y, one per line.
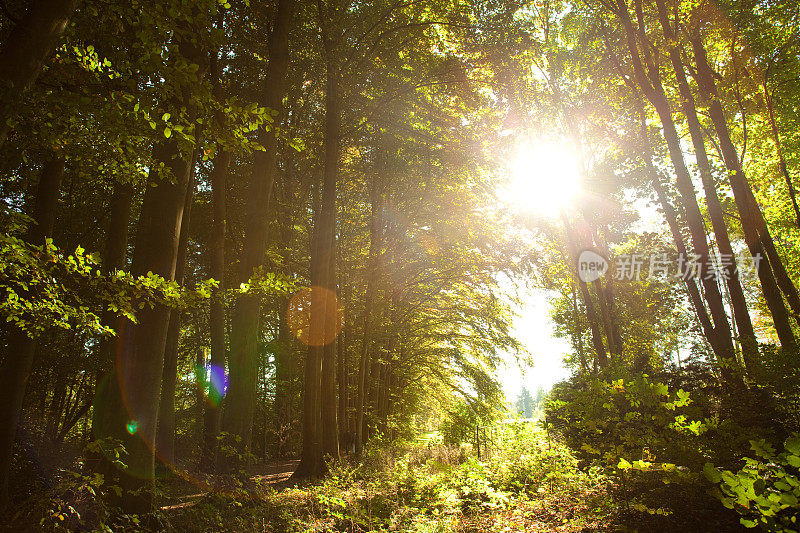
pixel 766 491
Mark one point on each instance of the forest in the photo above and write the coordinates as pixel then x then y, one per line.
pixel 265 265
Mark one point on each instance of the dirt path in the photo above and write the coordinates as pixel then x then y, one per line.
pixel 273 473
pixel 185 490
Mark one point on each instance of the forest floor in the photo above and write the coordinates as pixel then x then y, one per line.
pixel 423 487
pixel 530 484
pixel 368 506
pixel 527 484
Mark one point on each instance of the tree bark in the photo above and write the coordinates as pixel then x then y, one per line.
pixel 375 250
pixel 32 40
pixel 601 356
pixel 241 396
pixel 738 301
pixel 759 242
pixel 721 340
pixel 577 336
pixel 165 438
pixel 211 425
pixel 320 436
pixel 127 407
pixel 114 256
pixel 20 348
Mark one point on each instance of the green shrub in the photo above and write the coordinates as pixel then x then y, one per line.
pixel 766 490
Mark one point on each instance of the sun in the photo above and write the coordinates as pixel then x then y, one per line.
pixel 544 178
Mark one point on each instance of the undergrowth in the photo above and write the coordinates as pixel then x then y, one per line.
pixel 522 482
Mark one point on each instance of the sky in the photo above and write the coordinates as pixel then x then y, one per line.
pixel 534 329
pixel 531 189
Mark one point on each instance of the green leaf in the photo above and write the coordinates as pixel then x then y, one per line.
pixel 792 445
pixel 167 132
pixel 711 473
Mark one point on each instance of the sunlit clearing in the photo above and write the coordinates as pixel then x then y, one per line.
pixel 544 178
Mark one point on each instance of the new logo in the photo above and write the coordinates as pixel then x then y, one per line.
pixel 591 266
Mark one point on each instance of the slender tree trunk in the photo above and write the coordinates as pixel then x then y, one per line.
pixel 285 363
pixel 375 250
pixel 612 311
pixel 577 337
pixel 738 301
pixel 211 425
pixel 776 137
pixel 165 439
pixel 672 221
pixel 312 463
pixel 114 255
pixel 604 295
pixel 21 348
pixel 721 341
pixel 591 314
pixel 754 227
pixel 330 426
pixel 240 401
pixel 605 314
pixel 671 217
pixel 329 404
pixel 32 40
pixel 199 387
pixel 342 367
pixel 319 406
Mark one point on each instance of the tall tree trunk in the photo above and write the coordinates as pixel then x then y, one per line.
pixel 211 425
pixel 577 336
pixel 608 293
pixel 212 414
pixel 738 301
pixel 240 401
pixel 114 255
pixel 342 366
pixel 776 137
pixel 327 254
pixel 671 216
pixel 329 404
pixel 759 242
pixel 285 363
pixel 20 348
pixel 127 406
pixel 601 356
pixel 375 250
pixel 320 435
pixel 165 439
pixel 32 40
pixel 721 340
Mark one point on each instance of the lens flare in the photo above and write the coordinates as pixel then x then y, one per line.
pixel 217 385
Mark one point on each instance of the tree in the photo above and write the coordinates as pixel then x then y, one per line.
pixel 25 49
pixel 240 401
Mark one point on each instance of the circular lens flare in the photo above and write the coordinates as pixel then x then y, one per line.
pixel 314 316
